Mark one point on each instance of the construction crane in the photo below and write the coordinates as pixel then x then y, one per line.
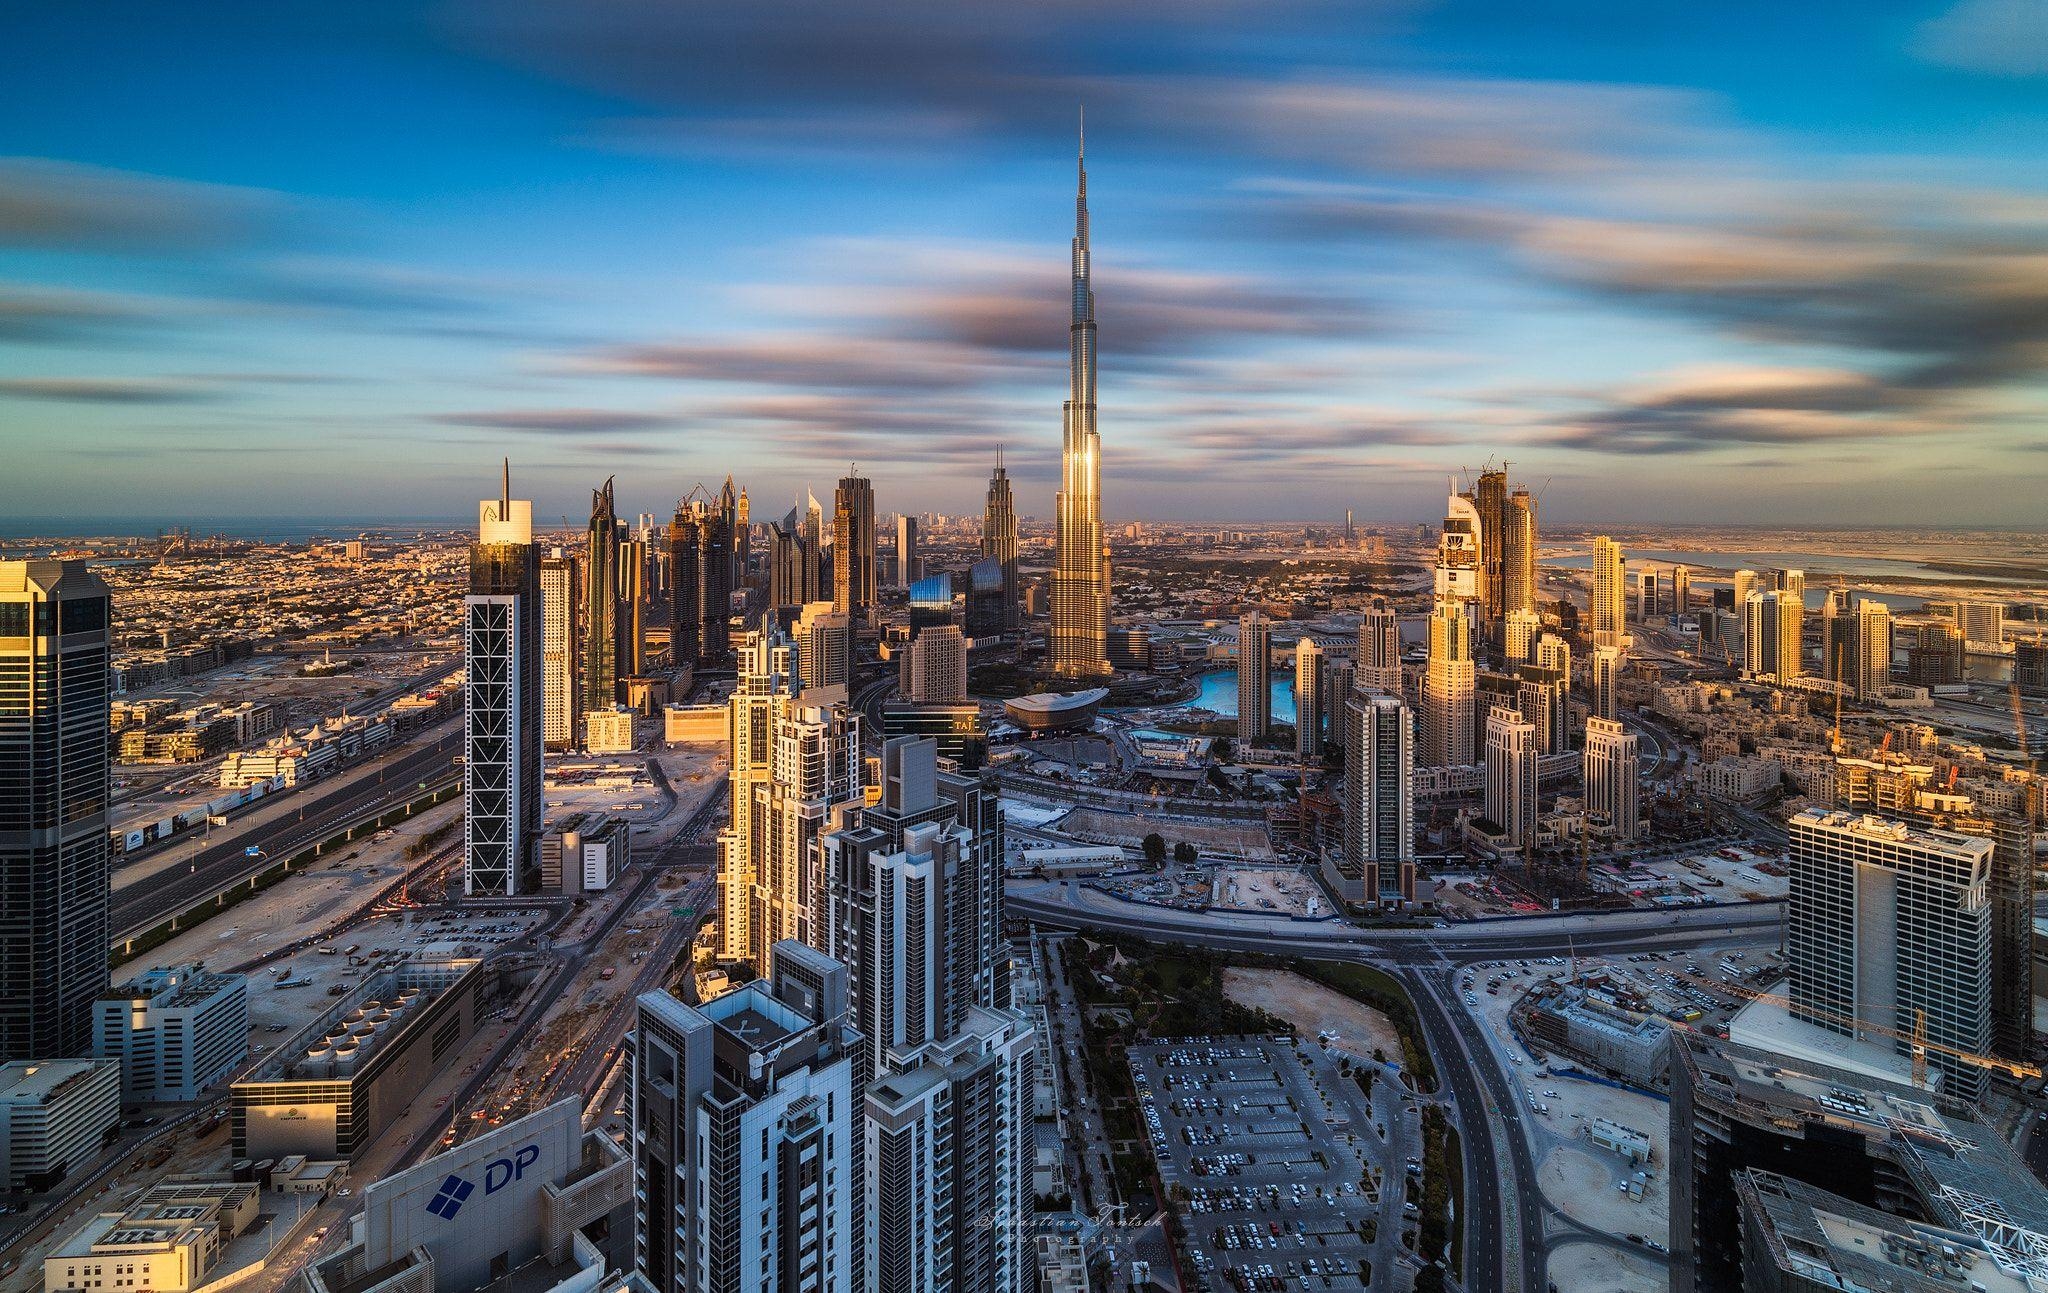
pixel 1915 1038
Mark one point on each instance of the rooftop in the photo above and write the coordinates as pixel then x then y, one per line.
pixel 40 1080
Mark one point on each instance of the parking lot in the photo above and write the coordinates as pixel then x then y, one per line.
pixel 1278 1159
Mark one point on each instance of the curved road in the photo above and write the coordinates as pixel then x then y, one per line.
pixel 1423 959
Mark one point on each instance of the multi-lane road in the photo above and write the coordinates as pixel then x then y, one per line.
pixel 322 810
pixel 1426 959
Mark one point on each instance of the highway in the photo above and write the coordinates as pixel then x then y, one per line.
pixel 135 908
pixel 1425 959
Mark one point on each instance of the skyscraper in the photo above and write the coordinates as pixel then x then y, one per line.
pixel 1791 624
pixel 1873 649
pixel 999 538
pixel 634 561
pixel 1511 776
pixel 793 763
pixel 1543 698
pixel 1646 596
pixel 906 551
pixel 55 790
pixel 1518 637
pixel 948 1135
pixel 600 603
pixel 1745 584
pixel 1610 592
pixel 1311 701
pixel 1449 690
pixel 687 536
pixel 1612 776
pixel 1459 576
pixel 1079 643
pixel 746 1140
pixel 824 649
pixel 916 893
pixel 1681 590
pixel 1890 924
pixel 869 850
pixel 935 667
pixel 853 548
pixel 1379 649
pixel 1254 677
pixel 1763 635
pixel 561 601
pixel 501 695
pixel 792 562
pixel 1490 501
pixel 1518 554
pixel 1838 637
pixel 1605 683
pixel 1378 862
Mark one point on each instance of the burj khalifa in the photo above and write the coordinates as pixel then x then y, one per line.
pixel 1080 575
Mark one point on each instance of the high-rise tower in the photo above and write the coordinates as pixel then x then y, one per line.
pixel 55 765
pixel 1449 689
pixel 1254 677
pixel 502 717
pixel 1610 593
pixel 600 603
pixel 561 590
pixel 999 538
pixel 1079 644
pixel 853 548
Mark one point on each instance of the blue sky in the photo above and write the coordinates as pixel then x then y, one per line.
pixel 1745 263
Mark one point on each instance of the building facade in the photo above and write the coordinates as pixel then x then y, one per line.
pixel 746 1136
pixel 1613 777
pixel 55 790
pixel 1077 645
pixel 502 721
pixel 175 1031
pixel 1889 925
pixel 1254 677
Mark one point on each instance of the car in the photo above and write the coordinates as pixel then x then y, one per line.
pixel 343 1192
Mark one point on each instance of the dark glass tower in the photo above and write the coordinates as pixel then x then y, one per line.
pixel 999 538
pixel 601 627
pixel 54 791
pixel 853 548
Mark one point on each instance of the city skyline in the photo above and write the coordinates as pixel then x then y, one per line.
pixel 1671 282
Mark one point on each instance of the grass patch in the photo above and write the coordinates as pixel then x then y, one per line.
pixel 1443 1199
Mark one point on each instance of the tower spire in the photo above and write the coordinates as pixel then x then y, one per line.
pixel 505 499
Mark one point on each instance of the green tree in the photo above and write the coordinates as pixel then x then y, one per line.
pixel 1184 853
pixel 1155 850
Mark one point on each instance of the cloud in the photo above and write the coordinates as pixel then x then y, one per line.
pixel 57 205
pixel 572 421
pixel 35 315
pixel 1707 409
pixel 1941 301
pixel 105 390
pixel 2001 37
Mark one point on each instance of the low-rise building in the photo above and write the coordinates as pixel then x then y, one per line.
pixel 332 1088
pixel 54 1115
pixel 171 1240
pixel 609 731
pixel 175 1031
pixel 584 853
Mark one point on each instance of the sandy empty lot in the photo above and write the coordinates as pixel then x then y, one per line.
pixel 1590 1268
pixel 1313 1008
